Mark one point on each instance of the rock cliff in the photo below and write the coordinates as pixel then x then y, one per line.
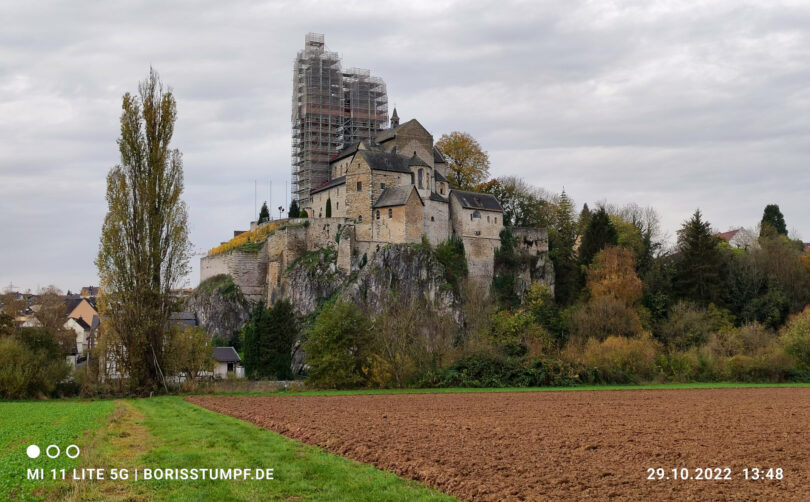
pixel 220 306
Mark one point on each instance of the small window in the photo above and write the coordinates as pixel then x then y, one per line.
pixel 442 189
pixel 359 186
pixel 378 214
pixel 432 218
pixel 337 205
pixel 382 186
pixel 475 214
pixel 496 220
pixel 360 218
pixel 390 213
pixel 420 178
pixel 487 218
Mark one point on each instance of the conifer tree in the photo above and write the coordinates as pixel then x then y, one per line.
pixel 562 239
pixel 264 214
pixel 700 267
pixel 599 233
pixel 294 211
pixel 773 221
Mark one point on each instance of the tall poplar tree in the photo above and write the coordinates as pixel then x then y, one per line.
pixel 144 249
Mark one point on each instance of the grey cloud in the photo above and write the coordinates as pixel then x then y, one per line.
pixel 672 104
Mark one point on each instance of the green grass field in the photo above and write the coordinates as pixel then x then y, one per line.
pixel 42 423
pixel 167 432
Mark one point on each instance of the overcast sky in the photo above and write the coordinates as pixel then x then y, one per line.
pixel 678 105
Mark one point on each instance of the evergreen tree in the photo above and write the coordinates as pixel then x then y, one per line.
pixel 329 207
pixel 269 337
pixel 280 331
pixel 506 264
pixel 700 267
pixel 264 214
pixel 562 239
pixel 584 218
pixel 295 211
pixel 599 233
pixel 773 221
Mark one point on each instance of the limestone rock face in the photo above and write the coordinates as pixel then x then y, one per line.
pixel 408 272
pixel 220 306
pixel 312 278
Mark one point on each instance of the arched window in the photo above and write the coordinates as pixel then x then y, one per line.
pixel 378 214
pixel 360 218
pixel 390 213
pixel 432 218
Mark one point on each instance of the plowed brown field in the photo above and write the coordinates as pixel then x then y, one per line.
pixel 557 445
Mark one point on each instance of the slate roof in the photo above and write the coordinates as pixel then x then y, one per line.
pixel 437 197
pixel 187 318
pixel 226 355
pixel 440 177
pixel 387 134
pixel 473 200
pixel 341 180
pixel 80 322
pixel 438 157
pixel 71 304
pixel 383 161
pixel 396 196
pixel 352 148
pixel 416 161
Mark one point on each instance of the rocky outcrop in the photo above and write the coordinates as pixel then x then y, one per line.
pixel 407 272
pixel 532 243
pixel 311 279
pixel 220 306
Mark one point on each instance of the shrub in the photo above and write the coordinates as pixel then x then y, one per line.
pixel 689 325
pixel 450 254
pixel 749 339
pixel 487 369
pixel 604 317
pixel 796 339
pixel 622 359
pixel 678 366
pixel 31 364
pixel 339 347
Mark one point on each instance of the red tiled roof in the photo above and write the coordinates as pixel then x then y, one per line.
pixel 727 236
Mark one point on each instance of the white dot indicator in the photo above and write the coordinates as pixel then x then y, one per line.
pixel 32 451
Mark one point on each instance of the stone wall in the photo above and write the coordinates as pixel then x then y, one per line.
pixel 436 221
pixel 248 269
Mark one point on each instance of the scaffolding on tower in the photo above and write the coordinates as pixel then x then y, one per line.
pixel 330 109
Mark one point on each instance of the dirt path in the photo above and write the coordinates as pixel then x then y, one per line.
pixel 558 445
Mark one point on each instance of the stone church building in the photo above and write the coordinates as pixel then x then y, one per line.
pixel 389 190
pixel 395 190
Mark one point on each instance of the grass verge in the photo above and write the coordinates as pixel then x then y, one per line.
pixel 652 386
pixel 169 433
